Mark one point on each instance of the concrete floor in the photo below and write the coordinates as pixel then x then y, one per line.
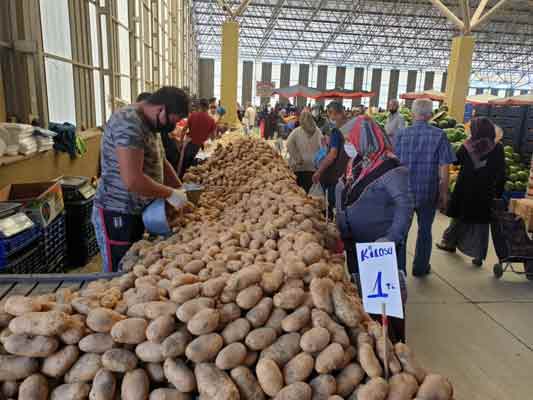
pixel 471 327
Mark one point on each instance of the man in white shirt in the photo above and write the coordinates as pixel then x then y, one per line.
pixel 249 119
pixel 395 121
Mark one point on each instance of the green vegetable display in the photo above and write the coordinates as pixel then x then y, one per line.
pixel 517 172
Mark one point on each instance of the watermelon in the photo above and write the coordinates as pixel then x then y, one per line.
pixel 509 186
pixel 508 150
pixel 451 122
pixel 523 176
pixel 513 169
pixel 516 157
pixel 460 126
pixel 513 176
pixel 443 124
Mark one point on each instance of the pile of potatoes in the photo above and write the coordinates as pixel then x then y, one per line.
pixel 244 302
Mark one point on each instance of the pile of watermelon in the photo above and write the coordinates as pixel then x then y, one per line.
pixel 517 172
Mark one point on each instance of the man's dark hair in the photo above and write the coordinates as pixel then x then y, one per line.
pixel 336 106
pixel 175 100
pixel 212 100
pixel 204 104
pixel 142 96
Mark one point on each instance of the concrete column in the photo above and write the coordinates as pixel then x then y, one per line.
pixel 394 81
pixel 206 78
pixel 479 90
pixel 429 78
pixel 523 91
pixel 303 79
pixel 340 78
pixel 358 77
pixel 266 76
pixel 284 80
pixel 375 87
pixel 247 81
pixel 321 79
pixel 443 83
pixel 228 81
pixel 459 75
pixel 509 92
pixel 494 92
pixel 411 84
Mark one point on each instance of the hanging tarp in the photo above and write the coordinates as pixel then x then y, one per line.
pixel 426 94
pixel 520 100
pixel 296 91
pixel 484 98
pixel 343 94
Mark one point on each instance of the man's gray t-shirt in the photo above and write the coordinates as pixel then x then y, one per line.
pixel 127 129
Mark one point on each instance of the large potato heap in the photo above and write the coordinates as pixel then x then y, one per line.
pixel 245 302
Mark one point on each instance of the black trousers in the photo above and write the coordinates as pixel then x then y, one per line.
pixel 189 158
pixel 304 179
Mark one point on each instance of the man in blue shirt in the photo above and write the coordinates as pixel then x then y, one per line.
pixel 427 153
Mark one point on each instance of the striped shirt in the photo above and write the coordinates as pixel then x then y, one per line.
pixel 127 129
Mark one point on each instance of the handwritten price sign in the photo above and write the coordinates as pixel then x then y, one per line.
pixel 378 271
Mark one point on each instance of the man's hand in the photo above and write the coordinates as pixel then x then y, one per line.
pixel 316 177
pixel 178 199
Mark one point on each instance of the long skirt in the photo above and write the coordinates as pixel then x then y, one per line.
pixel 470 239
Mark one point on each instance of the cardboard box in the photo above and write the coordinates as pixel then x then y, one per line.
pixel 524 209
pixel 42 201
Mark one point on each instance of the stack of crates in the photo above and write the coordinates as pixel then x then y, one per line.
pixel 54 246
pixel 527 135
pixel 510 119
pixel 81 238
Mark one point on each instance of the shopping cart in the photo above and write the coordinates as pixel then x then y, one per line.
pixel 511 242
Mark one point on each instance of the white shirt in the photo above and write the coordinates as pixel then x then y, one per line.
pixel 394 123
pixel 249 115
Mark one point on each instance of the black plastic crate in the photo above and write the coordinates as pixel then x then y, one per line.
pixel 507 111
pixel 28 261
pixel 71 185
pixel 79 211
pixel 482 110
pixel 12 245
pixel 80 252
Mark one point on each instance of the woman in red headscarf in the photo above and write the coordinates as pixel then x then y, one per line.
pixel 373 201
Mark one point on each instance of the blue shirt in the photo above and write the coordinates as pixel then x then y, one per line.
pixel 423 148
pixel 335 139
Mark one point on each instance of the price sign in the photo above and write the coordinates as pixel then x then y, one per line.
pixel 380 284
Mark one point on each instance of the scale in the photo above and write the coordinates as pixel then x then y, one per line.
pixel 12 221
pixel 77 188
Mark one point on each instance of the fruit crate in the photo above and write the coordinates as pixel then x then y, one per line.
pixel 508 111
pixel 9 247
pixel 55 245
pixel 81 251
pixel 81 238
pixel 26 261
pixel 482 110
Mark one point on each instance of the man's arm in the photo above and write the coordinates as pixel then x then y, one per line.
pixel 170 176
pixel 130 162
pixel 444 175
pixel 326 162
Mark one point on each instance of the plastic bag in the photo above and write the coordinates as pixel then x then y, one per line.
pixel 316 191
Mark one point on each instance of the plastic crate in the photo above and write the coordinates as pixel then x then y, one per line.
pixel 507 111
pixel 80 252
pixel 482 110
pixel 12 245
pixel 28 261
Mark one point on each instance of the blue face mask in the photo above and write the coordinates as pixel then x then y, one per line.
pixel 350 150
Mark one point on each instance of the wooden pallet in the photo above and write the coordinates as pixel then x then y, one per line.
pixel 37 284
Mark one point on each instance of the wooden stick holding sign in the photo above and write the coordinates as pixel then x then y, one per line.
pixel 385 334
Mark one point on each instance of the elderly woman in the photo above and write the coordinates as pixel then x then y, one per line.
pixel 302 145
pixel 374 204
pixel 481 179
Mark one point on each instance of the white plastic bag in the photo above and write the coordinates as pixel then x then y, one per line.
pixel 316 191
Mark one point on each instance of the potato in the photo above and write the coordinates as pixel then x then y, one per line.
pixel 228 312
pixel 249 297
pixel 368 360
pixel 299 368
pixel 204 348
pixel 295 391
pixel 179 375
pixel 30 346
pixel 247 384
pixel 347 309
pixel 349 378
pixel 272 281
pixel 96 343
pixel 84 369
pixel 321 293
pixel 186 292
pixel 57 364
pixel 71 391
pixel 119 360
pixel 329 359
pixel 409 362
pixel 184 279
pixel 231 356
pixel 130 331
pixel 194 266
pixel 244 278
pixel 283 349
pixel 154 309
pixel 260 338
pixel 168 394
pixel 136 310
pixel 150 352
pixel 175 344
pixel 20 305
pixel 155 372
pixel 135 385
pixel 289 299
pixel 435 387
pixel 102 319
pixel 349 355
pixel 338 333
pixel 259 314
pixel 160 328
pixel 315 340
pixel 375 389
pixel 214 384
pixel 48 323
pixel 4 319
pixel 213 287
pixel 394 365
pixel 323 387
pixel 14 368
pixel 188 309
pixel 205 321
pixel 34 387
pixel 297 320
pixel 274 321
pixel 104 386
pixel 269 376
pixel 402 386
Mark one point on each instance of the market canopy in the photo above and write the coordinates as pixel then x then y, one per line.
pixel 426 94
pixel 296 91
pixel 520 100
pixel 484 98
pixel 344 94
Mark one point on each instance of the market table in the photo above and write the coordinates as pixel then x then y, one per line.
pixel 524 209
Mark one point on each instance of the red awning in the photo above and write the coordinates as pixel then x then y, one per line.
pixel 343 94
pixel 426 94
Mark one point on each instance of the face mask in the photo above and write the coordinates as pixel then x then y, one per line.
pixel 350 150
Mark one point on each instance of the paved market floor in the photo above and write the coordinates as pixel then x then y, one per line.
pixel 471 327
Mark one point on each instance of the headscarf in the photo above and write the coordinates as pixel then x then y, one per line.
pixel 481 141
pixel 371 144
pixel 307 122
